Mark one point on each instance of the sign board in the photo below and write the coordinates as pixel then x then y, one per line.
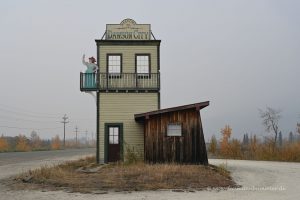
pixel 128 29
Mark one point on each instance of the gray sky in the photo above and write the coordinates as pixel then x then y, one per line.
pixel 239 55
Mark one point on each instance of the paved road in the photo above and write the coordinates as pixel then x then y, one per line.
pixel 259 180
pixel 15 162
pixel 21 157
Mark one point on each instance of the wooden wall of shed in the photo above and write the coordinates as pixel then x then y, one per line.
pixel 189 148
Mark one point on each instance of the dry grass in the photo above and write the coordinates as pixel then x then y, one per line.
pixel 222 169
pixel 288 152
pixel 122 177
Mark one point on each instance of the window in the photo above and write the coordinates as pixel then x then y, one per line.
pixel 113 135
pixel 114 64
pixel 174 130
pixel 143 64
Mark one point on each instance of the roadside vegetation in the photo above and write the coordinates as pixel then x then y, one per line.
pixel 255 149
pixel 35 143
pixel 86 176
pixel 274 147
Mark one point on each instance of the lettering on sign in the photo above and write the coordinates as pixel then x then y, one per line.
pixel 128 29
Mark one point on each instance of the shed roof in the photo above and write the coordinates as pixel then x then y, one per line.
pixel 197 106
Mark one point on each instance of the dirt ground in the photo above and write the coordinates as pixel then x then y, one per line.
pixel 259 180
pixel 85 176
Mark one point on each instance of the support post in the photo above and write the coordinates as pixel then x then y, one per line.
pixel 97 128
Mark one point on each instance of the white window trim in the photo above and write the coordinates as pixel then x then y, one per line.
pixel 140 69
pixel 111 65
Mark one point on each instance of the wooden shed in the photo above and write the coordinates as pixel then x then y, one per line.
pixel 174 135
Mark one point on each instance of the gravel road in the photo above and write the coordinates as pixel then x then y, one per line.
pixel 259 180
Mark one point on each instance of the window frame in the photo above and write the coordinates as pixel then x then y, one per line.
pixel 114 75
pixel 114 136
pixel 143 75
pixel 167 132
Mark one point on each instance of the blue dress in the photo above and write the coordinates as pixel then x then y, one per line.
pixel 90 76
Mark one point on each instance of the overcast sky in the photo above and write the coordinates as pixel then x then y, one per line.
pixel 239 55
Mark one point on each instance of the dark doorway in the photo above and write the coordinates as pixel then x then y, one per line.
pixel 113 142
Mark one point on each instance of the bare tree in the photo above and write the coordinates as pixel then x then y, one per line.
pixel 298 128
pixel 36 142
pixel 270 119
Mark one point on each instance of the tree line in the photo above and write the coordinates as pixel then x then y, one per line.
pixel 35 143
pixel 272 147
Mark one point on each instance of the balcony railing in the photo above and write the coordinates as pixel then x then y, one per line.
pixel 119 81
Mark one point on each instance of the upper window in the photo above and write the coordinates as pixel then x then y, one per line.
pixel 114 64
pixel 174 130
pixel 143 64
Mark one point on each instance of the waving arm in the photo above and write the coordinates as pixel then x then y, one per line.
pixel 83 60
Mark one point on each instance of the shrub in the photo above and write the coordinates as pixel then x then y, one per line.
pixel 55 143
pixel 131 154
pixel 213 145
pixel 3 144
pixel 22 143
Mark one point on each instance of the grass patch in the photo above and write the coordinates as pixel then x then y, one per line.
pixel 86 176
pixel 222 169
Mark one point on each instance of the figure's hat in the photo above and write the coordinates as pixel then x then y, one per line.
pixel 92 59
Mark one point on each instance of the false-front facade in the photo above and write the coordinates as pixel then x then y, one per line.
pixel 127 82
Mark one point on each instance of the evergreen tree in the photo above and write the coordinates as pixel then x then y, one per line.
pixel 247 139
pixel 253 145
pixel 280 139
pixel 244 139
pixel 291 137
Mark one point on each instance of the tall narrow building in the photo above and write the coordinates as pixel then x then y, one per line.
pixel 127 82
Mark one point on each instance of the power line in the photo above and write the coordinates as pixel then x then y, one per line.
pixel 13 119
pixel 84 118
pixel 27 111
pixel 15 127
pixel 26 114
pixel 35 114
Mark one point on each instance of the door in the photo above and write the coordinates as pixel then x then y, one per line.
pixel 113 142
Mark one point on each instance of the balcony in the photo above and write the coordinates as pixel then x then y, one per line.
pixel 119 82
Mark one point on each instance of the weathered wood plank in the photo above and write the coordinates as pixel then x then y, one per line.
pixel 189 148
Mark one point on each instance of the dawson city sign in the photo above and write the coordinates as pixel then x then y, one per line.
pixel 128 29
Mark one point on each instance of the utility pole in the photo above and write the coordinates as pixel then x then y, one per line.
pixel 92 143
pixel 76 131
pixel 65 122
pixel 86 140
